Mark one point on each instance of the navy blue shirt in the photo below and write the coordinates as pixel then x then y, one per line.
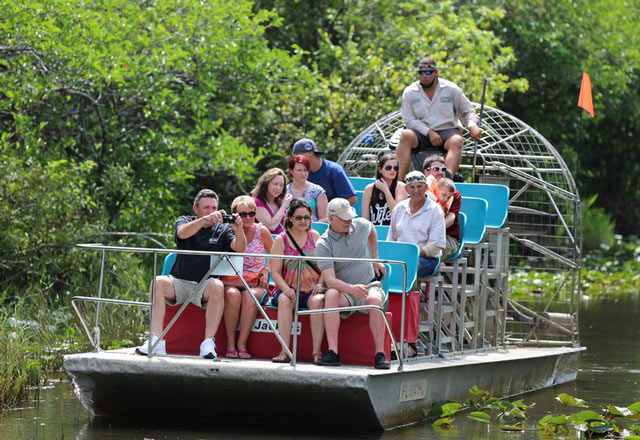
pixel 217 237
pixel 333 178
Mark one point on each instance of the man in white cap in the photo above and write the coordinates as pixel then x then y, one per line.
pixel 431 108
pixel 350 283
pixel 419 220
pixel 329 175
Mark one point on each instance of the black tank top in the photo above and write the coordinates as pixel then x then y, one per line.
pixel 379 212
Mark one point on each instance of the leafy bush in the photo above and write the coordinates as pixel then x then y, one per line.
pixel 597 226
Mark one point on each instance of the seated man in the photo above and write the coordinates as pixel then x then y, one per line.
pixel 419 220
pixel 431 108
pixel 350 283
pixel 206 231
pixel 329 175
pixel 448 196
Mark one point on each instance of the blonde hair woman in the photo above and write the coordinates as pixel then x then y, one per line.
pixel 238 304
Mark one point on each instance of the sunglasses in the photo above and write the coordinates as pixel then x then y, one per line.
pixel 300 218
pixel 391 167
pixel 247 214
pixel 436 168
pixel 425 72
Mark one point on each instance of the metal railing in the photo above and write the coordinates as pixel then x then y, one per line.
pixel 225 256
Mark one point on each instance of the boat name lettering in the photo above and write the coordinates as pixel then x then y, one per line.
pixel 413 390
pixel 260 325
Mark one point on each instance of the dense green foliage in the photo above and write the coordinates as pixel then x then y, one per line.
pixel 554 42
pixel 112 115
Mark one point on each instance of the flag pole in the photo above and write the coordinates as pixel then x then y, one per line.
pixel 475 143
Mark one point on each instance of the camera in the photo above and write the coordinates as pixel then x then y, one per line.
pixel 228 218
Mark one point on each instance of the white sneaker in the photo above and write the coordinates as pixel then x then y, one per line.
pixel 208 349
pixel 159 349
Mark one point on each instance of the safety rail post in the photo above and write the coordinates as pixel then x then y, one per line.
pixel 153 303
pixel 295 316
pixel 96 327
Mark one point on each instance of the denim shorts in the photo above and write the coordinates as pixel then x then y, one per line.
pixel 303 300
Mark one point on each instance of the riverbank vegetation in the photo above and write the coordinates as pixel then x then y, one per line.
pixel 113 114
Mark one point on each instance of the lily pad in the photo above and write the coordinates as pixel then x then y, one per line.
pixel 568 400
pixel 480 416
pixel 586 416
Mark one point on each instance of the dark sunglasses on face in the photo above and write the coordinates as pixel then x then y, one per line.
pixel 436 168
pixel 425 72
pixel 391 167
pixel 247 214
pixel 300 218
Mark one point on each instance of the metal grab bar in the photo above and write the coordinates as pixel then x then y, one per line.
pixel 226 256
pixel 355 309
pixel 96 343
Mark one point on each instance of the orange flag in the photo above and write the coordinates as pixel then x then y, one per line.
pixel 584 100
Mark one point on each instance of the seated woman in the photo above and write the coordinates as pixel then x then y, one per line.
pixel 271 199
pixel 238 304
pixel 381 196
pixel 311 193
pixel 298 235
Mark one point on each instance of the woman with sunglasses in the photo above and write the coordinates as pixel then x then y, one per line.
pixel 271 199
pixel 381 196
pixel 238 304
pixel 297 237
pixel 300 187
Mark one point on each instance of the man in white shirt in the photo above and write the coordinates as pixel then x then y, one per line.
pixel 431 108
pixel 419 220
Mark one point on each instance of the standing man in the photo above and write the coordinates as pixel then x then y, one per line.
pixel 206 231
pixel 419 220
pixel 434 166
pixel 329 175
pixel 431 108
pixel 350 283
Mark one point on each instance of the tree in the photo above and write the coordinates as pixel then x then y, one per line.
pixel 117 111
pixel 554 43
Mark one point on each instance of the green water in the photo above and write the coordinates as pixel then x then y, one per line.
pixel 609 374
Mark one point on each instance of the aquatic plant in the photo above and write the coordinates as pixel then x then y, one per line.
pixel 610 422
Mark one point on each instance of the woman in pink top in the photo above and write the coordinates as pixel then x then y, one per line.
pixel 238 304
pixel 272 200
pixel 285 273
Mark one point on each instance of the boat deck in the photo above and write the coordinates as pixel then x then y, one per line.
pixel 351 396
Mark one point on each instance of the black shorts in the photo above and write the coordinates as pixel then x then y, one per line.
pixel 424 143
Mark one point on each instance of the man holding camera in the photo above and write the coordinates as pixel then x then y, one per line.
pixel 208 230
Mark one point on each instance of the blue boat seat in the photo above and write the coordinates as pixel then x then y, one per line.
pixel 382 231
pixel 360 183
pixel 475 210
pixel 168 263
pixel 358 205
pixel 407 252
pixel 497 197
pixel 462 221
pixel 321 227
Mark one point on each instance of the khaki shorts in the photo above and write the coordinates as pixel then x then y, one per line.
pixel 183 288
pixel 450 248
pixel 374 286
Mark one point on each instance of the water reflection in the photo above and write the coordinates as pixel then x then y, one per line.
pixel 608 374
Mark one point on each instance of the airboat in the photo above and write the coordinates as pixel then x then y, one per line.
pixel 502 316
